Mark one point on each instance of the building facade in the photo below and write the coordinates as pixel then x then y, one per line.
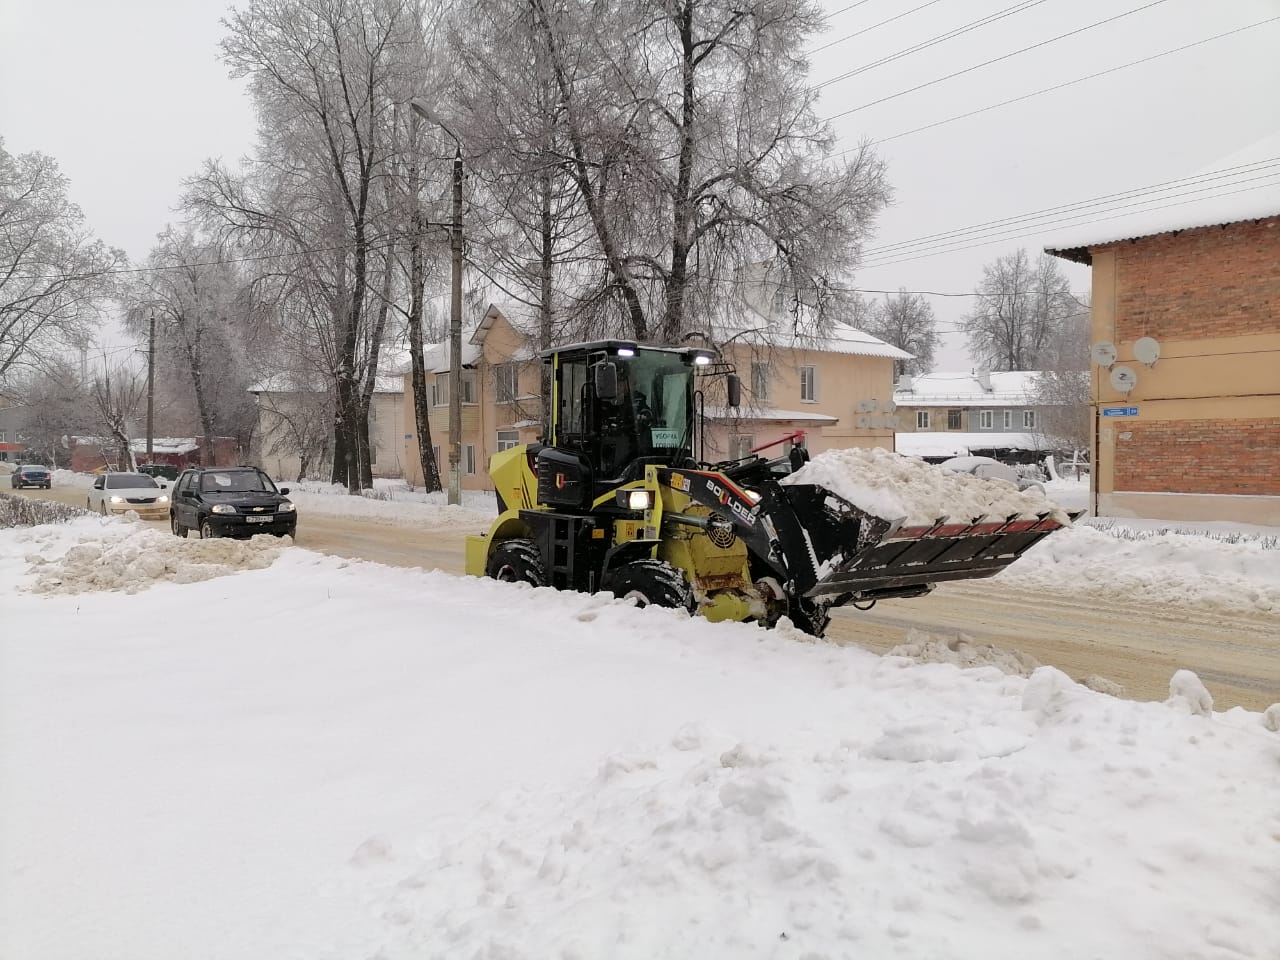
pixel 1186 382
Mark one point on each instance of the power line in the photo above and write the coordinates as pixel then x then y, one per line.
pixel 925 44
pixel 982 243
pixel 1069 83
pixel 1081 206
pixel 858 33
pixel 836 13
pixel 987 63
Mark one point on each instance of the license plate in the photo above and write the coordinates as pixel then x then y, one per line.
pixel 259 519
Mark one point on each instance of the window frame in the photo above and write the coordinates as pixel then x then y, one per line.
pixel 955 419
pixel 1007 420
pixel 811 380
pixel 922 419
pixel 506 382
pixel 1029 420
pixel 986 419
pixel 512 440
pixel 760 380
pixel 737 449
pixel 469 459
pixel 440 390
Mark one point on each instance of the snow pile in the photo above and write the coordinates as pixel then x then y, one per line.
pixel 392 503
pixel 69 478
pixel 1161 568
pixel 143 557
pixel 920 837
pixel 1187 692
pixel 890 486
pixel 338 760
pixel 961 651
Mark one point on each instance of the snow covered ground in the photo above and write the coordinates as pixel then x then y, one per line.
pixel 328 759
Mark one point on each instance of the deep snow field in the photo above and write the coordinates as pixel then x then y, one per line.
pixel 272 753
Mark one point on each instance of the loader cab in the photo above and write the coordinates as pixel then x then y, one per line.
pixel 616 406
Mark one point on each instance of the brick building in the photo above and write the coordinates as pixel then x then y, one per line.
pixel 1186 410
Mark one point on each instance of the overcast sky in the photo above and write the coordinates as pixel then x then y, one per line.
pixel 129 96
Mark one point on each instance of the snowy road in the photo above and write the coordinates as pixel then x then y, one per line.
pixel 1137 645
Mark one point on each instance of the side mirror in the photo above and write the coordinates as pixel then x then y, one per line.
pixel 284 491
pixel 606 380
pixel 734 386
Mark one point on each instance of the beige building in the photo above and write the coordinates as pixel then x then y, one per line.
pixel 1186 379
pixel 837 388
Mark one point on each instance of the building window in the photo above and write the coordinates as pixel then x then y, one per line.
pixel 782 299
pixel 954 421
pixel 468 386
pixel 469 459
pixel 1008 419
pixel 435 456
pixel 506 380
pixel 986 420
pixel 760 381
pixel 922 419
pixel 440 390
pixel 2 439
pixel 1028 419
pixel 809 383
pixel 508 439
pixel 740 445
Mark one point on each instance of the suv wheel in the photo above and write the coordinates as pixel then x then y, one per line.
pixel 207 531
pixel 178 529
pixel 652 582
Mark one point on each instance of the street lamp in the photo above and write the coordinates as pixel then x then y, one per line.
pixel 455 308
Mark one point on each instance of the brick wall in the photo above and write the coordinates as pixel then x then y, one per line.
pixel 1200 456
pixel 1209 282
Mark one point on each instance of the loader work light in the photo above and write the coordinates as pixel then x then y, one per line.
pixel 635 499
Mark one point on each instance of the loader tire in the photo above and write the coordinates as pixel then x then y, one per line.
pixel 653 582
pixel 517 561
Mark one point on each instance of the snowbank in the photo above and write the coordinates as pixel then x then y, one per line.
pixel 891 486
pixel 1160 568
pixel 391 502
pixel 333 759
pixel 97 554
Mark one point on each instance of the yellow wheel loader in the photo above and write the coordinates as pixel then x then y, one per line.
pixel 616 500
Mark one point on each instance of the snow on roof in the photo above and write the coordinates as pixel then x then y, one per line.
pixel 436 355
pixel 1242 186
pixel 955 443
pixel 997 389
pixel 519 315
pixel 287 383
pixel 770 415
pixel 841 338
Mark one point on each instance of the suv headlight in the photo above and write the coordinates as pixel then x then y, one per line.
pixel 223 508
pixel 286 507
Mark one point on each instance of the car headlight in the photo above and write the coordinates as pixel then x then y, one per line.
pixel 286 507
pixel 162 499
pixel 223 508
pixel 115 499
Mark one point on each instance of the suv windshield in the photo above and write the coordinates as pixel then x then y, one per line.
pixel 129 481
pixel 235 481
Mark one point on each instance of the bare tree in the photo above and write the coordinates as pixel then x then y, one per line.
pixel 690 134
pixel 56 399
pixel 53 273
pixel 906 321
pixel 1061 390
pixel 204 314
pixel 1019 311
pixel 115 395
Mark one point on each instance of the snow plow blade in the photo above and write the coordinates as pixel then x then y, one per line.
pixel 906 561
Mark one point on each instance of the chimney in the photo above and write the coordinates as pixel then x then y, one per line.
pixel 905 383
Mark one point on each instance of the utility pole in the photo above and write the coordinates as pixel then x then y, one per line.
pixel 151 383
pixel 455 337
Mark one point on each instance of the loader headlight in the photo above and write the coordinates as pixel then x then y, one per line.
pixel 635 499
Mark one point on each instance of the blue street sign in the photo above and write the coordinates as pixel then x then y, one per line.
pixel 1119 411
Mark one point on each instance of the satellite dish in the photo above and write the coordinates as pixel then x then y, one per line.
pixel 1103 354
pixel 864 422
pixel 1147 350
pixel 890 406
pixel 873 405
pixel 1124 379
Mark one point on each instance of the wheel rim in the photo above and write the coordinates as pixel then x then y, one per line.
pixel 206 532
pixel 506 573
pixel 641 599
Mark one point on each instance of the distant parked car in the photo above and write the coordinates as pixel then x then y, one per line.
pixel 230 502
pixel 31 475
pixel 158 470
pixel 989 469
pixel 121 492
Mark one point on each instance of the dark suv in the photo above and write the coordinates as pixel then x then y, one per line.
pixel 230 502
